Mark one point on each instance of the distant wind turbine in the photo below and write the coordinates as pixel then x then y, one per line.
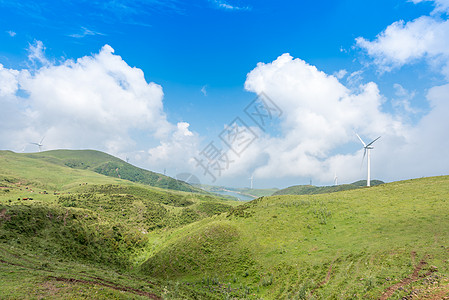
pixel 367 151
pixel 335 179
pixel 39 144
pixel 251 178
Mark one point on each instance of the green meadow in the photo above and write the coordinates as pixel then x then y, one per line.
pixel 82 234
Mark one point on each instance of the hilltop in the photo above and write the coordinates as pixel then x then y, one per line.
pixel 313 190
pixel 105 164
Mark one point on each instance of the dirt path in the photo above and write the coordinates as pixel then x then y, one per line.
pixel 109 285
pixel 97 281
pixel 406 281
pixel 328 276
pixel 326 279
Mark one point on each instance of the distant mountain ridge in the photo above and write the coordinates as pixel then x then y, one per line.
pixel 313 190
pixel 106 164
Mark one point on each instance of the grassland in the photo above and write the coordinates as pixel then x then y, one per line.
pixel 86 235
pixel 87 221
pixel 348 245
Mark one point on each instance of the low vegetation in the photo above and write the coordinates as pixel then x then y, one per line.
pixel 73 233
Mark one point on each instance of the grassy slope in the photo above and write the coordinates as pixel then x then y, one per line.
pixel 347 245
pixel 40 173
pixel 109 165
pixel 102 225
pixel 313 190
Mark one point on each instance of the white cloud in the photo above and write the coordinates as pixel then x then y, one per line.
pixel 403 100
pixel 175 151
pixel 340 74
pixel 97 102
pixel 318 127
pixel 222 4
pixel 320 116
pixel 11 33
pixel 204 90
pixel 403 43
pixel 441 6
pixel 36 54
pixel 85 32
pixel 8 81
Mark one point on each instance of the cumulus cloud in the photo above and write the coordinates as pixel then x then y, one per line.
pixel 176 150
pixel 426 37
pixel 97 101
pixel 8 81
pixel 321 113
pixel 320 116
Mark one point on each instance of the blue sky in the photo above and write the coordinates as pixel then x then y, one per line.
pixel 198 56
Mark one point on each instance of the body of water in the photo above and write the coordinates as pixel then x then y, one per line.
pixel 237 195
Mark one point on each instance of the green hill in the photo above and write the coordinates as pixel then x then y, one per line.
pixel 69 232
pixel 389 240
pixel 312 190
pixel 109 165
pixel 73 233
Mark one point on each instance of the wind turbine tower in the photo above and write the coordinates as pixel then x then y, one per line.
pixel 251 178
pixel 367 151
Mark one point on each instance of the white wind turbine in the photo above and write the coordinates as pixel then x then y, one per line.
pixel 367 148
pixel 39 144
pixel 335 179
pixel 251 178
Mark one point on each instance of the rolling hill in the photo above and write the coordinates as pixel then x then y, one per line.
pixel 109 165
pixel 388 241
pixel 73 233
pixel 68 232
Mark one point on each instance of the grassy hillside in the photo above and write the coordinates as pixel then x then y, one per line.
pixel 313 190
pixel 389 241
pixel 73 233
pixel 109 165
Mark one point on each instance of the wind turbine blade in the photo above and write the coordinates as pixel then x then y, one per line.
pixel 42 140
pixel 364 153
pixel 372 142
pixel 364 145
pixel 34 144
